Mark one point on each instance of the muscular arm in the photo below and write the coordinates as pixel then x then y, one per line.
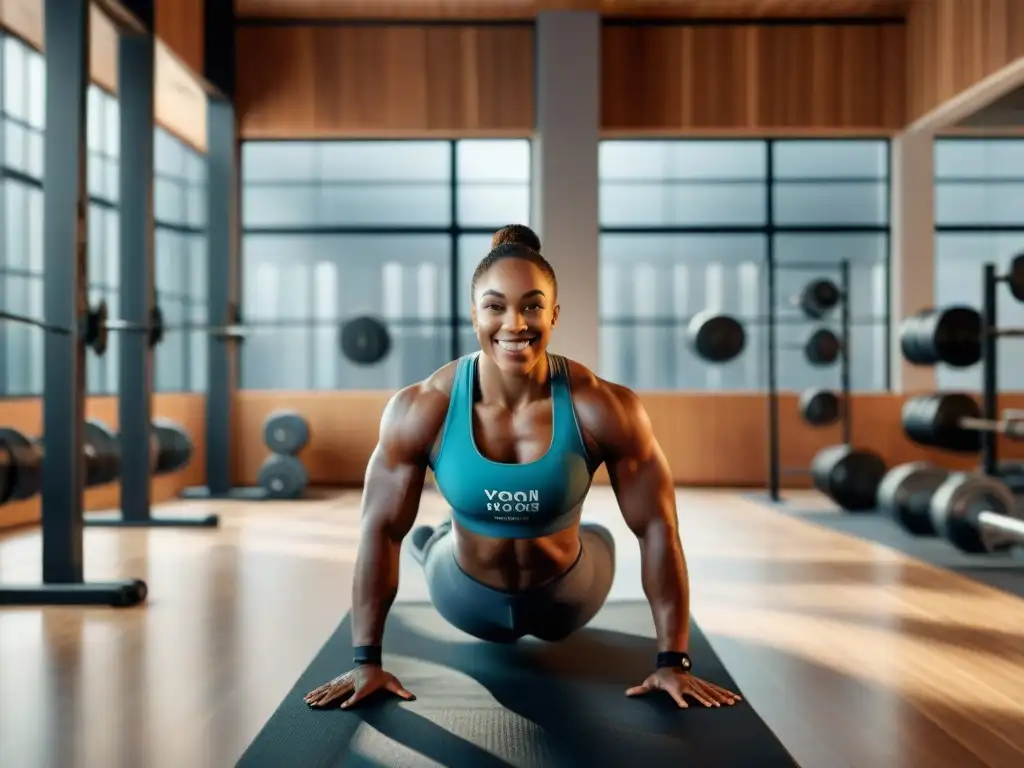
pixel 391 497
pixel 643 485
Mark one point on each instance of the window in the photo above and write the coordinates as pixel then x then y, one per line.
pixel 103 142
pixel 23 120
pixel 180 263
pixel 393 229
pixel 979 219
pixel 693 225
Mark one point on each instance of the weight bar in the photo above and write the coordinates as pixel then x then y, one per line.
pixel 975 513
pixel 364 340
pixel 286 432
pixel 819 407
pixel 849 476
pixel 952 421
pixel 282 477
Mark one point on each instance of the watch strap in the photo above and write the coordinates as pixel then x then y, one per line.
pixel 674 660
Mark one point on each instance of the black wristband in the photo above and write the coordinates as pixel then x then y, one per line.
pixel 366 654
pixel 674 660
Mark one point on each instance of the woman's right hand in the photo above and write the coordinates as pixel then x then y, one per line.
pixel 360 683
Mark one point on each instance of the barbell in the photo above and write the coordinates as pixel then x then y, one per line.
pixel 21 458
pixel 975 513
pixel 952 421
pixel 364 340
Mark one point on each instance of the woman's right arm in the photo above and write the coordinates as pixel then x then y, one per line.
pixel 391 498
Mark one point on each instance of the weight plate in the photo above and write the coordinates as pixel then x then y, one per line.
pixel 286 432
pixel 849 476
pixel 905 496
pixel 365 340
pixel 818 297
pixel 23 469
pixel 175 448
pixel 958 502
pixel 283 477
pixel 822 347
pixel 102 454
pixel 819 407
pixel 716 338
pixel 1015 277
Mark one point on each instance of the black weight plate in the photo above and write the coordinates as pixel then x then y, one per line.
pixel 905 496
pixel 849 476
pixel 818 298
pixel 365 340
pixel 948 434
pixel 174 446
pixel 95 333
pixel 7 476
pixel 819 407
pixel 1015 277
pixel 283 477
pixel 957 503
pixel 23 475
pixel 956 336
pixel 910 333
pixel 822 347
pixel 716 338
pixel 102 454
pixel 286 432
pixel 25 478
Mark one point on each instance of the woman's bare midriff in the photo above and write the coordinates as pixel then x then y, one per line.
pixel 513 565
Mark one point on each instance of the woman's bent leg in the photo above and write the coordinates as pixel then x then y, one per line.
pixel 462 601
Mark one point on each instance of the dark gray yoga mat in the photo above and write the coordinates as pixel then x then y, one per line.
pixel 531 704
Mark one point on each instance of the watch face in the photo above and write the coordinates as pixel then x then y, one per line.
pixel 685 664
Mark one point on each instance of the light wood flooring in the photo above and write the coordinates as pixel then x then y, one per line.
pixel 853 654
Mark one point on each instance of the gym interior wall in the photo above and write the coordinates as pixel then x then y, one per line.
pixel 702 234
pixel 23 121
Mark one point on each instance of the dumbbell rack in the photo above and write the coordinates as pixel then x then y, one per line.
pixel 775 469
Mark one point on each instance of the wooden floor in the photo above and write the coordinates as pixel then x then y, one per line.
pixel 853 654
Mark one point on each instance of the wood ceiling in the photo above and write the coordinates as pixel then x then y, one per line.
pixel 523 9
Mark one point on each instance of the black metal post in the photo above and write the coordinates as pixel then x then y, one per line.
pixel 223 274
pixel 454 285
pixel 989 370
pixel 844 360
pixel 136 96
pixel 65 200
pixel 774 468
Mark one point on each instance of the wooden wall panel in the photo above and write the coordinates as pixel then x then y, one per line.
pixel 314 82
pixel 180 101
pixel 179 23
pixel 813 78
pixel 189 411
pixel 952 44
pixel 519 9
pixel 710 440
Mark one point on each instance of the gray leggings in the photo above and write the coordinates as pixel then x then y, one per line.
pixel 550 612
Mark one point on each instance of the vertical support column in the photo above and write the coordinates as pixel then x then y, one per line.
pixel 223 276
pixel 912 249
pixel 65 197
pixel 565 169
pixel 135 94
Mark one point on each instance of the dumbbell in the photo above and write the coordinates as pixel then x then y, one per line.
pixel 975 513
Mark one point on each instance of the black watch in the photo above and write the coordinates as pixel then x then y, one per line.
pixel 675 660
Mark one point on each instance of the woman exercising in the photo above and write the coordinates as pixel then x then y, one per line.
pixel 514 435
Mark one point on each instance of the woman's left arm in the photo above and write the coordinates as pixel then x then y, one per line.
pixel 643 485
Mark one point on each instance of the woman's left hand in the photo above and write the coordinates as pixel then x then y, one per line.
pixel 678 685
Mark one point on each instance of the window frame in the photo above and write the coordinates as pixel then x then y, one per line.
pixel 771 229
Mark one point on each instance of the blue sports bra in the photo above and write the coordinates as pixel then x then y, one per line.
pixel 512 501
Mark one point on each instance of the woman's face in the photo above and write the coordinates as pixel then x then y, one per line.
pixel 514 312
